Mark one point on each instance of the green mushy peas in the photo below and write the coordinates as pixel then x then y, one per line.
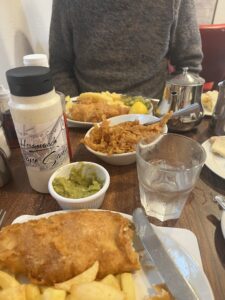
pixel 82 182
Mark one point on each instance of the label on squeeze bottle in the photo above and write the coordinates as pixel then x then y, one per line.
pixel 44 146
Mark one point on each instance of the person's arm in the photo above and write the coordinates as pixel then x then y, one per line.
pixel 185 45
pixel 61 54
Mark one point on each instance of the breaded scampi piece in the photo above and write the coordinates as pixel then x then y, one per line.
pixel 94 112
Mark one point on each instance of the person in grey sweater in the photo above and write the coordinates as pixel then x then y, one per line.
pixel 121 45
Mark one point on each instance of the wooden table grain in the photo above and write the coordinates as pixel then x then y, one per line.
pixel 200 214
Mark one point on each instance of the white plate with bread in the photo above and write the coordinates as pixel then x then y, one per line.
pixel 215 150
pixel 208 101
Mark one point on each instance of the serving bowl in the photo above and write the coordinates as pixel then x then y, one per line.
pixel 128 157
pixel 92 201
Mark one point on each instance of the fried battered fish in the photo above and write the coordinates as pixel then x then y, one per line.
pixel 94 112
pixel 92 107
pixel 55 249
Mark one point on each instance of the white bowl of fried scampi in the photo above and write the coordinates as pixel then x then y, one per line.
pixel 114 140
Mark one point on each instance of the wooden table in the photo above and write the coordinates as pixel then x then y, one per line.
pixel 200 215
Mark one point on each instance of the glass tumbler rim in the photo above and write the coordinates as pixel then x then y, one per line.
pixel 179 136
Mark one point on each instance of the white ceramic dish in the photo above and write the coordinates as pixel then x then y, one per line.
pixel 92 201
pixel 124 158
pixel 214 162
pixel 80 124
pixel 181 244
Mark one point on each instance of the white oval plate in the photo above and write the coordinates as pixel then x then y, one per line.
pixel 214 162
pixel 80 124
pixel 181 244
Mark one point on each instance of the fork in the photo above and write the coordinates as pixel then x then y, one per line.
pixel 2 215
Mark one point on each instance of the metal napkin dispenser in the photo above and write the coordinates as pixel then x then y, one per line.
pixel 181 91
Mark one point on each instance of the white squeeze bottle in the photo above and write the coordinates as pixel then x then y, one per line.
pixel 38 119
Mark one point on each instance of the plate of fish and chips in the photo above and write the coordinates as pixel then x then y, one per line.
pixel 114 140
pixel 108 246
pixel 91 107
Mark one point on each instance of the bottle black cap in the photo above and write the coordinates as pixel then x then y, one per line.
pixel 29 81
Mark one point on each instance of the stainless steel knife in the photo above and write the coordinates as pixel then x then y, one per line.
pixel 174 280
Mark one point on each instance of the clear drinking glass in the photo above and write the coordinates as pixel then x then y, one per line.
pixel 168 169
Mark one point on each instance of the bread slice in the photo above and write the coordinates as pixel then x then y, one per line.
pixel 209 100
pixel 218 145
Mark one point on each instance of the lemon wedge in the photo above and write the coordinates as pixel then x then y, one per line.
pixel 138 108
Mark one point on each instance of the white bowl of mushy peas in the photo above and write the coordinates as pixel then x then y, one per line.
pixel 79 185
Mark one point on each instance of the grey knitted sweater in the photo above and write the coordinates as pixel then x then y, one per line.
pixel 121 45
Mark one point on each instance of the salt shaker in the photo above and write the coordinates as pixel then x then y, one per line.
pixel 39 122
pixel 5 173
pixel 218 117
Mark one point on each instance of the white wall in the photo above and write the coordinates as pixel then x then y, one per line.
pixel 205 10
pixel 24 29
pixel 220 13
